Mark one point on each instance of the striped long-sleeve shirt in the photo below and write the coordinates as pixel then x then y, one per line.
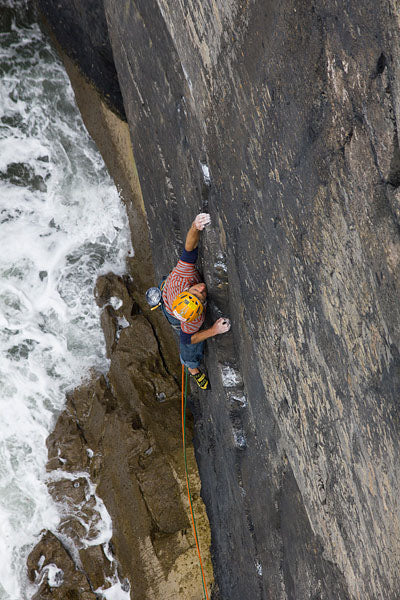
pixel 181 278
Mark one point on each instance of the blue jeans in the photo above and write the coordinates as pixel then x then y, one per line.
pixel 190 354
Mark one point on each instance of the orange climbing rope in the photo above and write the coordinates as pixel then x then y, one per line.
pixel 184 394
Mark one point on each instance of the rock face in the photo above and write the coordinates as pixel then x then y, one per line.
pixel 82 31
pixel 280 119
pixel 119 442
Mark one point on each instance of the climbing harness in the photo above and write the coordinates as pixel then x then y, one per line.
pixel 184 395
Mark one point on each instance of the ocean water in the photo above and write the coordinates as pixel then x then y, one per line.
pixel 61 225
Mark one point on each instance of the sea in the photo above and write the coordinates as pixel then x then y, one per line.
pixel 62 224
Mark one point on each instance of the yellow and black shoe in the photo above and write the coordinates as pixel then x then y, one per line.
pixel 201 380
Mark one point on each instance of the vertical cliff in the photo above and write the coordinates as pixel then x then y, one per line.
pixel 281 121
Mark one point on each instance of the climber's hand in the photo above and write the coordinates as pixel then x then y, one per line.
pixel 201 221
pixel 222 325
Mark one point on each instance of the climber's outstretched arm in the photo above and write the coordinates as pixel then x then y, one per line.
pixel 193 235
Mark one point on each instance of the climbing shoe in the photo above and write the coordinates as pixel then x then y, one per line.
pixel 201 380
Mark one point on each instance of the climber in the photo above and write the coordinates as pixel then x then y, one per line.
pixel 183 303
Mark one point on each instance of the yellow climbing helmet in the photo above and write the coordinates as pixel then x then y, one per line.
pixel 186 307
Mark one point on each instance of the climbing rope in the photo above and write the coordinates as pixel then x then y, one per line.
pixel 184 395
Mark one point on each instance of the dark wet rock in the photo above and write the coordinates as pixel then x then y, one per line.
pixel 294 110
pixel 96 563
pixel 72 451
pixel 84 37
pixel 70 491
pixel 50 557
pixel 73 528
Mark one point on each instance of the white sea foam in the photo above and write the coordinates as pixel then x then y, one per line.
pixel 115 592
pixel 55 576
pixel 115 302
pixel 99 527
pixel 62 224
pixel 123 323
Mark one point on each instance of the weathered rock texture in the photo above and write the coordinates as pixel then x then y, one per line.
pixel 294 109
pixel 119 439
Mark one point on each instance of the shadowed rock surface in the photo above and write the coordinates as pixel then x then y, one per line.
pixel 81 29
pixel 281 119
